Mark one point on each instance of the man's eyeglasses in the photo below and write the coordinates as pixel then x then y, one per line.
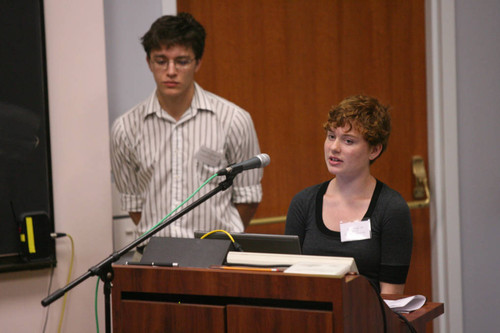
pixel 179 63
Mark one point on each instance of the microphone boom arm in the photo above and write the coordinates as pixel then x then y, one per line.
pixel 104 269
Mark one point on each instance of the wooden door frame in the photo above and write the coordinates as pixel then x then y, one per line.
pixel 443 156
pixel 443 162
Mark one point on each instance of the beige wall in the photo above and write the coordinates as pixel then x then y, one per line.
pixel 78 114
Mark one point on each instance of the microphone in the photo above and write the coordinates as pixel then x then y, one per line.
pixel 259 161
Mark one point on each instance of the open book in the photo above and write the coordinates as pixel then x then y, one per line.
pixel 298 264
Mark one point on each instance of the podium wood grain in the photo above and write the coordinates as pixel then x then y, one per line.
pixel 160 299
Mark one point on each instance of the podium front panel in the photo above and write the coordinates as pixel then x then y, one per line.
pixel 251 319
pixel 144 316
pixel 215 300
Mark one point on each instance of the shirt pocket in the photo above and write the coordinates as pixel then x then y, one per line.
pixel 208 162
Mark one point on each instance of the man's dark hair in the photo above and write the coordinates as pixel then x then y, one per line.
pixel 170 30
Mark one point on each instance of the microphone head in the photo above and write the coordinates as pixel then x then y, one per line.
pixel 264 160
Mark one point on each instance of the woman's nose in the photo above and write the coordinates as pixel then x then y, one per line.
pixel 334 145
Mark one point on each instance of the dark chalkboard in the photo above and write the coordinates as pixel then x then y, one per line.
pixel 25 173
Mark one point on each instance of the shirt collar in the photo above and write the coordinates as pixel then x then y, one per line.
pixel 200 102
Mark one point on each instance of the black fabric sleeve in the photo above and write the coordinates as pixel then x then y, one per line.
pixel 396 239
pixel 301 212
pixel 295 218
pixel 393 274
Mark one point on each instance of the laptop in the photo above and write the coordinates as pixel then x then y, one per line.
pixel 264 243
pixel 185 252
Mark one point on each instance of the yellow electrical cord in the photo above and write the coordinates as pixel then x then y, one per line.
pixel 67 282
pixel 218 230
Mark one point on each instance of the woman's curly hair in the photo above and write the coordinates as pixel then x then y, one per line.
pixel 366 115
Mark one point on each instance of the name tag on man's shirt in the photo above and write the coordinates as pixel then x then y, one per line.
pixel 355 230
pixel 208 156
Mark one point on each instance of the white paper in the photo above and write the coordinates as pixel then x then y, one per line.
pixel 407 304
pixel 338 269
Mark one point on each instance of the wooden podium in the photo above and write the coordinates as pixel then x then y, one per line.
pixel 161 299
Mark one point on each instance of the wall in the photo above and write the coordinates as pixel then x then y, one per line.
pixel 126 21
pixel 478 73
pixel 78 113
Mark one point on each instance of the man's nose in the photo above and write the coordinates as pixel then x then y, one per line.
pixel 171 70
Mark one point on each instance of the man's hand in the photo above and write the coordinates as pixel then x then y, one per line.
pixel 135 216
pixel 247 211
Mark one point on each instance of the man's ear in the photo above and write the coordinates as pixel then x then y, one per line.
pixel 198 65
pixel 149 63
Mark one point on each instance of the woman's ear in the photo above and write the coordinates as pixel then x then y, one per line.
pixel 375 151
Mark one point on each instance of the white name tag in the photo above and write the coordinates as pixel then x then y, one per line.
pixel 208 156
pixel 355 230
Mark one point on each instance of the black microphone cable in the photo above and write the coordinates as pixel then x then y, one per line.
pixel 381 302
pixel 405 320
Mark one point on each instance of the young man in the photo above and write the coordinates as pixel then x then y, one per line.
pixel 167 146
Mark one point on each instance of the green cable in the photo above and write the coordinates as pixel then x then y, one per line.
pixel 95 305
pixel 188 198
pixel 157 224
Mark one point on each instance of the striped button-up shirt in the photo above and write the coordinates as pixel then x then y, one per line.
pixel 158 162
